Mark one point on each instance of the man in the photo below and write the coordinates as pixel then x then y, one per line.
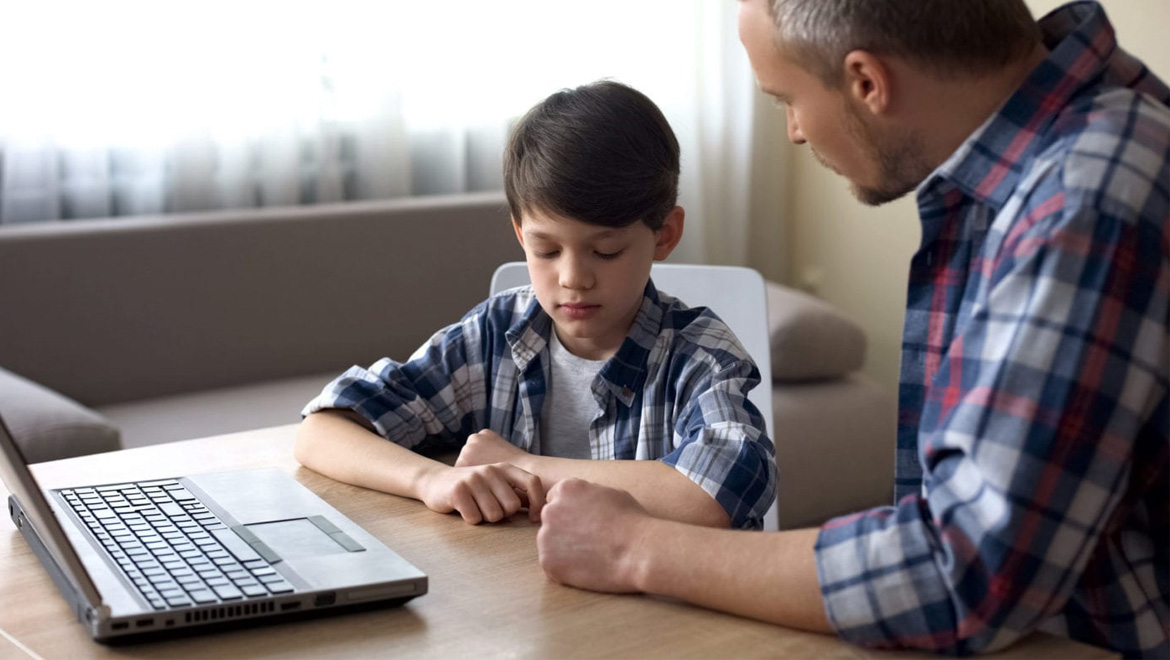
pixel 1033 473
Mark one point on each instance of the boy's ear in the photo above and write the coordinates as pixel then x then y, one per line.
pixel 519 232
pixel 668 236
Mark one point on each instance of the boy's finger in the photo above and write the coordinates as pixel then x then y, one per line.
pixel 463 502
pixel 505 494
pixel 532 488
pixel 489 505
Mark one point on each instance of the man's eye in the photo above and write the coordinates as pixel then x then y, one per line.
pixel 609 255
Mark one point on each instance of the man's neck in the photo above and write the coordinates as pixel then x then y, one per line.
pixel 951 110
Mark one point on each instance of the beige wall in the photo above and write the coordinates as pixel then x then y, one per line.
pixel 856 257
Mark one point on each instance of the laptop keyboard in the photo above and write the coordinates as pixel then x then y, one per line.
pixel 176 551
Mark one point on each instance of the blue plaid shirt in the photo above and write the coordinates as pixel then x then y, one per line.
pixel 675 391
pixel 1033 444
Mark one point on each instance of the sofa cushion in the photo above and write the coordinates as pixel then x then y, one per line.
pixel 47 425
pixel 810 339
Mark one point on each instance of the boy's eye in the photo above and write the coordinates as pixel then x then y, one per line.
pixel 609 255
pixel 545 255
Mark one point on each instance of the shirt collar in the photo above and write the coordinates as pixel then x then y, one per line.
pixel 988 165
pixel 623 374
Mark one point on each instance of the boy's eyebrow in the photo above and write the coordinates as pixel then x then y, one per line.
pixel 605 233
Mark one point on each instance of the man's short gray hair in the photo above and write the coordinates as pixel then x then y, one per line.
pixel 945 36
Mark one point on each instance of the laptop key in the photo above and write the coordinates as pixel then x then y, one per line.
pixel 227 592
pixel 254 590
pixel 202 596
pixel 280 587
pixel 181 494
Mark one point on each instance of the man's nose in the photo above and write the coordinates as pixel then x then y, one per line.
pixel 794 134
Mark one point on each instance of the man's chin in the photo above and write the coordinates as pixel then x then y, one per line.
pixel 875 196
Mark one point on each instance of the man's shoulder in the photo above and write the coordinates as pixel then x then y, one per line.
pixel 1106 153
pixel 1107 142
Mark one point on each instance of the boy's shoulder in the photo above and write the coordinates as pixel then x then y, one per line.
pixel 503 308
pixel 698 330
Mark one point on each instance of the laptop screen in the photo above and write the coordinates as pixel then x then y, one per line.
pixel 20 482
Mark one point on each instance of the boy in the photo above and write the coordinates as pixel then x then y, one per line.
pixel 589 362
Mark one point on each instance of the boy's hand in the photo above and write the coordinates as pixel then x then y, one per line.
pixel 483 493
pixel 487 447
pixel 589 534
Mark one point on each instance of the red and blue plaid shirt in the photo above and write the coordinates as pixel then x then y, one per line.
pixel 1033 473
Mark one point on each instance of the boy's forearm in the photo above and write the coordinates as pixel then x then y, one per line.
pixel 661 489
pixel 335 444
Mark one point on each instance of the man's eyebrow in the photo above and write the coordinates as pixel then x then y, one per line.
pixel 779 96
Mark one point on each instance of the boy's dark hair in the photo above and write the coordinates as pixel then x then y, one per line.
pixel 602 153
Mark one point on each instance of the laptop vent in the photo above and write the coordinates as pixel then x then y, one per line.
pixel 231 612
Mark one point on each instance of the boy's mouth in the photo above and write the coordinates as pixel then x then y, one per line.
pixel 579 310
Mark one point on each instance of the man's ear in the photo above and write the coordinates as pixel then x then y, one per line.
pixel 868 81
pixel 668 236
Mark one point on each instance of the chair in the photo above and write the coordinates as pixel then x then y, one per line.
pixel 736 294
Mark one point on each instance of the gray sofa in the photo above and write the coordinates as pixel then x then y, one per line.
pixel 133 331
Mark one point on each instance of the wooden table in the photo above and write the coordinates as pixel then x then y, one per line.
pixel 487 598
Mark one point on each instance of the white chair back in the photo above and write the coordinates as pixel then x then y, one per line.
pixel 735 293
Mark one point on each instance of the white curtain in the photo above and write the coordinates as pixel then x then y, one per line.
pixel 124 108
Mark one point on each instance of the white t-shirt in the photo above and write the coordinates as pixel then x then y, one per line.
pixel 569 406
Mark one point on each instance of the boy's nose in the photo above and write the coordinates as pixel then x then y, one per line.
pixel 576 275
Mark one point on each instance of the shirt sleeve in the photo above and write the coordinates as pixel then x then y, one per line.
pixel 437 395
pixel 721 440
pixel 1027 441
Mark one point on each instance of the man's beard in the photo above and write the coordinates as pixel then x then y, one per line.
pixel 901 164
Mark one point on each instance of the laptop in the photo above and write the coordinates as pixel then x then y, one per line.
pixel 146 559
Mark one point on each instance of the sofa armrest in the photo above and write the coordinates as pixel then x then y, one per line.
pixel 47 425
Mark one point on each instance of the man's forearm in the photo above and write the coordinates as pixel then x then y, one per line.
pixel 661 489
pixel 773 577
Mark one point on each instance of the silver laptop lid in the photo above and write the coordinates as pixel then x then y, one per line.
pixel 20 482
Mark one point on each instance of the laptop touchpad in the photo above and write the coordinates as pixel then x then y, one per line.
pixel 295 538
